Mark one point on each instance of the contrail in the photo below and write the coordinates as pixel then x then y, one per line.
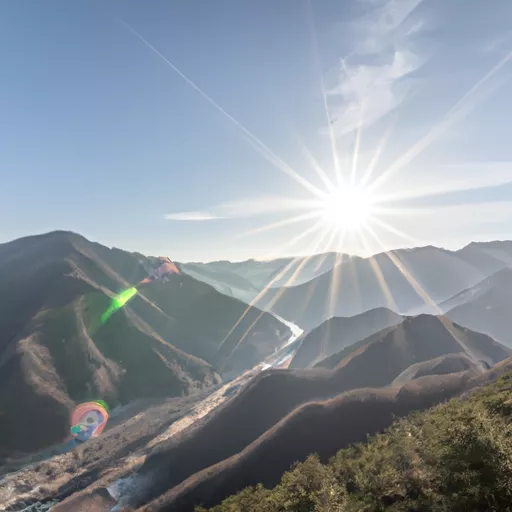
pixel 263 148
pixel 332 137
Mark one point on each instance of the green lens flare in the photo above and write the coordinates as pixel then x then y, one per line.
pixel 118 302
pixel 103 404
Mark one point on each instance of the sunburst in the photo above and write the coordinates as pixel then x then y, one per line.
pixel 347 207
pixel 349 202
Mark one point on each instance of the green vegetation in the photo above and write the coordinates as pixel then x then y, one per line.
pixel 456 457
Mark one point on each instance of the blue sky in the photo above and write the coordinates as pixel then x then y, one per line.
pixel 99 135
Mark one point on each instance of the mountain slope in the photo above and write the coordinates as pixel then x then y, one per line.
pixel 442 365
pixel 306 299
pixel 223 280
pixel 193 317
pixel 272 395
pixel 382 358
pixel 391 280
pixel 487 307
pixel 417 464
pixel 316 427
pixel 54 351
pixel 386 354
pixel 260 273
pixel 487 257
pixel 339 332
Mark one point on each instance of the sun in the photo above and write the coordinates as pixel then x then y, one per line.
pixel 347 207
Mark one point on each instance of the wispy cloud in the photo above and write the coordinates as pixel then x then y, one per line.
pixel 381 56
pixel 191 216
pixel 496 43
pixel 443 223
pixel 443 179
pixel 243 208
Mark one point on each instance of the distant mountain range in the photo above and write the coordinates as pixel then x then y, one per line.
pixel 54 351
pixel 383 336
pixel 282 415
pixel 245 280
pixel 273 395
pixel 330 285
pixel 486 307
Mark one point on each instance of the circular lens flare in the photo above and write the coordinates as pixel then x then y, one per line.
pixel 347 207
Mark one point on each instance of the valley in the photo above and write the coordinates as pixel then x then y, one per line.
pixel 239 386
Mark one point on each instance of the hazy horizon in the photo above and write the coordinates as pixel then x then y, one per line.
pixel 454 248
pixel 210 131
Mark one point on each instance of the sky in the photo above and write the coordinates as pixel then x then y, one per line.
pixel 206 130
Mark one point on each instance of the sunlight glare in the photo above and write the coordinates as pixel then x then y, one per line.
pixel 347 207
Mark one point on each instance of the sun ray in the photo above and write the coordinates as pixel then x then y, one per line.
pixel 336 273
pixel 263 148
pixel 316 166
pixel 357 144
pixel 258 297
pixel 276 298
pixel 281 223
pixel 403 270
pixel 311 291
pixel 394 230
pixel 447 324
pixel 380 276
pixel 285 168
pixel 277 278
pixel 332 137
pixel 378 151
pixel 333 288
pixel 293 241
pixel 440 128
pixel 357 290
pixel 321 261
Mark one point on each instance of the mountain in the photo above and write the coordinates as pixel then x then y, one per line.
pixel 486 307
pixel 442 365
pixel 470 294
pixel 313 296
pixel 316 427
pixel 487 257
pixel 279 270
pixel 398 280
pixel 416 464
pixel 386 354
pixel 337 333
pixel 55 352
pixel 246 279
pixel 223 280
pixel 265 401
pixel 272 395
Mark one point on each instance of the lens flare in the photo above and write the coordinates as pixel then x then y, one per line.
pixel 118 302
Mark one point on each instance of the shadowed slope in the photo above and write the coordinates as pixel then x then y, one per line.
pixel 443 365
pixel 339 332
pixel 487 307
pixel 54 350
pixel 273 394
pixel 383 356
pixel 317 427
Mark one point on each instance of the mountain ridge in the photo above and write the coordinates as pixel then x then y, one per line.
pixel 55 350
pixel 337 333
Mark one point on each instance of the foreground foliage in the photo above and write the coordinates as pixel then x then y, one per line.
pixel 456 457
